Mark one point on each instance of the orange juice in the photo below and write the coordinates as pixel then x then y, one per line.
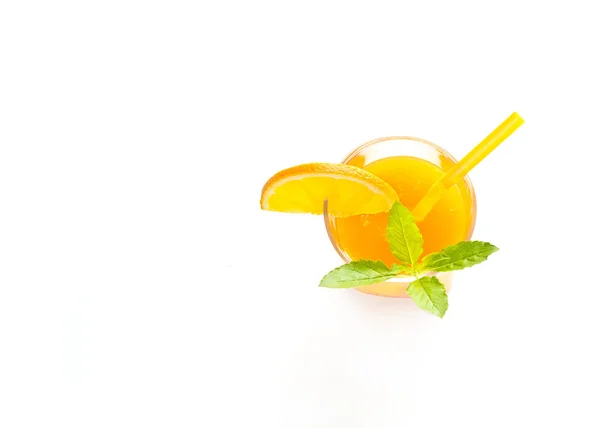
pixel 411 166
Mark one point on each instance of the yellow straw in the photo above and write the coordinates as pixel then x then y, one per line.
pixel 466 164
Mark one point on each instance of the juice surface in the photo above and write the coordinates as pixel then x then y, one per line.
pixel 449 222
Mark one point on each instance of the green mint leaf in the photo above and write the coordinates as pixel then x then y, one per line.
pixel 362 272
pixel 429 294
pixel 404 237
pixel 459 256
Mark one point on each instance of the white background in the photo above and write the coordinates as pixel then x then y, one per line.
pixel 141 285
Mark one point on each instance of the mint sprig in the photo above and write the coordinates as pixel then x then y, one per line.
pixel 406 244
pixel 429 294
pixel 404 236
pixel 362 272
pixel 459 256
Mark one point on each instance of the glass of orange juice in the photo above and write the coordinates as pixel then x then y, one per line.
pixel 411 166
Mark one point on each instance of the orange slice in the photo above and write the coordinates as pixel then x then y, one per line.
pixel 348 190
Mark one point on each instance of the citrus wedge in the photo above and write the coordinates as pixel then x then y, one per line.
pixel 348 190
